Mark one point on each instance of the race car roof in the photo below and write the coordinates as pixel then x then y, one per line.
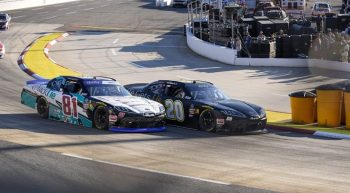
pixel 183 82
pixel 93 80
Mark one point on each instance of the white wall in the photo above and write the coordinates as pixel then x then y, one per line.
pixel 20 4
pixel 276 62
pixel 228 56
pixel 208 50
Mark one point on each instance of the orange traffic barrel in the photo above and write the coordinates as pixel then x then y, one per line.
pixel 303 107
pixel 329 105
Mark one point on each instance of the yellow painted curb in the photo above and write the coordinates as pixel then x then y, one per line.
pixel 278 117
pixel 38 62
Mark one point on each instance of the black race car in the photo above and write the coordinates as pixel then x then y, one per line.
pixel 199 104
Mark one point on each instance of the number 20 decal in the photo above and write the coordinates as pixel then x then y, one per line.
pixel 68 104
pixel 174 110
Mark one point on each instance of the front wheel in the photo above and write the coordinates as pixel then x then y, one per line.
pixel 101 118
pixel 42 108
pixel 207 121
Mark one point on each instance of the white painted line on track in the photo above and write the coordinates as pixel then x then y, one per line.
pixel 19 16
pixel 137 65
pixel 16 11
pixel 76 156
pixel 103 6
pixel 147 170
pixel 58 5
pixel 65 8
pixel 69 13
pixel 205 68
pixel 42 12
pixel 81 5
pixel 116 41
pixel 52 17
pixel 38 8
pixel 88 9
pixel 276 94
pixel 113 52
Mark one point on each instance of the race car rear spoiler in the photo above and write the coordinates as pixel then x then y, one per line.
pixel 38 81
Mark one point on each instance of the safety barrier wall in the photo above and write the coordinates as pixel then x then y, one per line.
pixel 274 62
pixel 229 56
pixel 211 51
pixel 20 4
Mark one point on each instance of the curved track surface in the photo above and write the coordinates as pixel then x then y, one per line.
pixel 278 161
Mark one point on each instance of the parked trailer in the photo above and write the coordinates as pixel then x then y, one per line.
pixel 294 8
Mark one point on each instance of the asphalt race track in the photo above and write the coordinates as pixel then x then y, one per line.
pixel 135 42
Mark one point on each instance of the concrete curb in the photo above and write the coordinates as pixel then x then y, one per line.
pixel 310 132
pixel 50 44
pixel 24 67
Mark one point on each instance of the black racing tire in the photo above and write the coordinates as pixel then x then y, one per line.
pixel 207 121
pixel 101 118
pixel 42 108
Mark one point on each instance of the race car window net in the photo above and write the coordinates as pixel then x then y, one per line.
pixel 55 84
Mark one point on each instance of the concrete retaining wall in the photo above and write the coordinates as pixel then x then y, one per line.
pixel 20 4
pixel 208 50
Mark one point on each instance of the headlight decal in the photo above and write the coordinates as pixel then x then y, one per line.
pixel 233 113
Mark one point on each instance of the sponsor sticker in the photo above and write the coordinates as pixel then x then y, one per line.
pixel 228 118
pixel 220 121
pixel 113 118
pixel 191 111
pixel 121 115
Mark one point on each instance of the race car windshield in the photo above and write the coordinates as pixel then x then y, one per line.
pixel 107 90
pixel 211 93
pixel 2 17
pixel 273 14
pixel 322 6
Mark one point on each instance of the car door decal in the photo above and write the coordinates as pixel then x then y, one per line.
pixel 69 106
pixel 174 110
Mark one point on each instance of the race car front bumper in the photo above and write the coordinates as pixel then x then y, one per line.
pixel 243 125
pixel 140 124
pixel 3 25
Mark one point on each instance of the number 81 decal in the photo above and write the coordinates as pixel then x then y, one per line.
pixel 68 104
pixel 174 110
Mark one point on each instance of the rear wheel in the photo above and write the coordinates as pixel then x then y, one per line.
pixel 42 108
pixel 101 118
pixel 207 121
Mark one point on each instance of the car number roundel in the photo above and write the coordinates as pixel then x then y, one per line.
pixel 174 110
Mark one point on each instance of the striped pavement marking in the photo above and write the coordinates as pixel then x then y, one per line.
pixel 35 60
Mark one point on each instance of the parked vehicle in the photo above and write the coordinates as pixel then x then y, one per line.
pixel 294 8
pixel 320 8
pixel 5 21
pixel 276 13
pixel 99 102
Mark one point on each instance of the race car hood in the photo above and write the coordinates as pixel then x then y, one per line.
pixel 134 104
pixel 247 109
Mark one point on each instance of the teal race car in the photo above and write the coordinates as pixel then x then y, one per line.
pixel 99 102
